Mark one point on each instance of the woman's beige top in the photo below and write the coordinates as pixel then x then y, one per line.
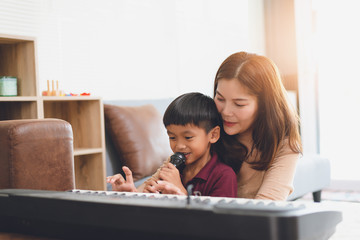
pixel 276 183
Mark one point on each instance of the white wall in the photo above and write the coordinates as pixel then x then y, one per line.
pixel 135 49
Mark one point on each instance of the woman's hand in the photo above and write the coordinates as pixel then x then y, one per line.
pixel 169 188
pixel 118 183
pixel 150 186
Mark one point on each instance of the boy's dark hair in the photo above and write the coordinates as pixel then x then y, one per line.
pixel 193 108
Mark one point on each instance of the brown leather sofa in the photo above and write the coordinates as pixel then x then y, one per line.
pixel 136 138
pixel 36 154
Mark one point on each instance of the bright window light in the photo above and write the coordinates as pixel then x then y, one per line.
pixel 338 49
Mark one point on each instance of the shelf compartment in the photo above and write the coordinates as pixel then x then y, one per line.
pixel 84 117
pixel 84 113
pixel 89 172
pixel 18 109
pixel 18 59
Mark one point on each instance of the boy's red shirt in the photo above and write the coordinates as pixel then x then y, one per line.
pixel 215 179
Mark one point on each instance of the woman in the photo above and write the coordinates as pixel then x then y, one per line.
pixel 261 139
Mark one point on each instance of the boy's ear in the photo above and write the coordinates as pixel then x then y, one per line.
pixel 214 134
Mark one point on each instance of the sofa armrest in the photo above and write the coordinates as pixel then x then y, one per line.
pixel 36 154
pixel 312 175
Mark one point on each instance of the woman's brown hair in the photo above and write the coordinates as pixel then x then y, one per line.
pixel 276 120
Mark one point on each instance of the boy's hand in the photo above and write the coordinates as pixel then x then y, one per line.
pixel 170 174
pixel 118 183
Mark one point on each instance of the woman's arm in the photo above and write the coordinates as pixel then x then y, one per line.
pixel 277 183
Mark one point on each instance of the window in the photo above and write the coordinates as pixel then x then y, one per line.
pixel 338 56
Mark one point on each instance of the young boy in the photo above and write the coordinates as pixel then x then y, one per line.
pixel 193 125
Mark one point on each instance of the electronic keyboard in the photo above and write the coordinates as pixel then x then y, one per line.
pixel 85 214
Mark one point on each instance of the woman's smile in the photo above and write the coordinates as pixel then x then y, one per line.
pixel 229 124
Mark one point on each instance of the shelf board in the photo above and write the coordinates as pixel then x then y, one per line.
pixel 18 99
pixel 70 98
pixel 11 39
pixel 86 151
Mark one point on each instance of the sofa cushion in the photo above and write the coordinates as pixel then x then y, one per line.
pixel 138 136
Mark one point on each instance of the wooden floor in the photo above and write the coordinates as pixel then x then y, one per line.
pixel 349 228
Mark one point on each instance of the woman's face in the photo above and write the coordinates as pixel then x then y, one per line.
pixel 237 107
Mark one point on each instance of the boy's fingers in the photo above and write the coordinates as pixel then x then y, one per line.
pixel 128 174
pixel 118 179
pixel 112 179
pixel 172 166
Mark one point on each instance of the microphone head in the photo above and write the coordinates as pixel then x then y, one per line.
pixel 177 159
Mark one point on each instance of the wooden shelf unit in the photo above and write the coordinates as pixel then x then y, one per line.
pixel 84 113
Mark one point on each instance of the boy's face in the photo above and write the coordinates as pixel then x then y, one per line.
pixel 191 140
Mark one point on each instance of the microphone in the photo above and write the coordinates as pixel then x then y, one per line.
pixel 177 159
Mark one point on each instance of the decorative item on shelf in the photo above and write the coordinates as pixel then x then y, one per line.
pixel 53 92
pixel 8 86
pixel 76 94
pixel 59 93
